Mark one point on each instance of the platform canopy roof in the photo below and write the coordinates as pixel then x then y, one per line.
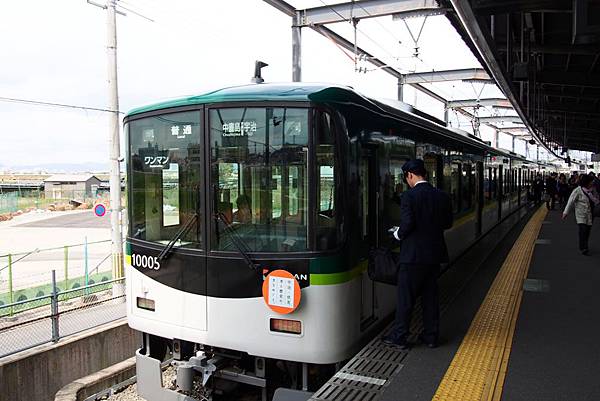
pixel 545 56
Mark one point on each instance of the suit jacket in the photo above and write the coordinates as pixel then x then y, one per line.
pixel 425 213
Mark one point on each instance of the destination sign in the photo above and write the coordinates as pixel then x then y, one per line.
pixel 181 131
pixel 239 128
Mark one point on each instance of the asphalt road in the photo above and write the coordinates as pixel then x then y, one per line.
pixel 77 220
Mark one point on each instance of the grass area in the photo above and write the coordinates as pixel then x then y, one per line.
pixel 24 203
pixel 46 289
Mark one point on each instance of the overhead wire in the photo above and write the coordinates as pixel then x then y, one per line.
pixel 448 95
pixel 139 14
pixel 402 44
pixel 368 37
pixel 52 104
pixel 358 29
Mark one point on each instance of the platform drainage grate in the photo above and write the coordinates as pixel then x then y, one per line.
pixel 364 376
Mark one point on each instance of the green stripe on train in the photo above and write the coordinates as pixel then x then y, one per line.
pixel 338 278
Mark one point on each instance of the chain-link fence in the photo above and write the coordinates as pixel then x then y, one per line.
pixel 58 200
pixel 59 314
pixel 9 202
pixel 26 278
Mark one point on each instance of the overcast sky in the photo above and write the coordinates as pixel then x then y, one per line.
pixel 54 51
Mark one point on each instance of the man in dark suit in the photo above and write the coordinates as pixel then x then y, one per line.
pixel 425 212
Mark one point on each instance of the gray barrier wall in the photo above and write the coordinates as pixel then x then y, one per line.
pixel 37 374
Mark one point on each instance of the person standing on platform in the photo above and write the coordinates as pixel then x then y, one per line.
pixel 425 212
pixel 573 181
pixel 563 190
pixel 538 188
pixel 550 191
pixel 582 199
pixel 595 183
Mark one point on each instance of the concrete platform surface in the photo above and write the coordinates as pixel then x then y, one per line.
pixel 555 355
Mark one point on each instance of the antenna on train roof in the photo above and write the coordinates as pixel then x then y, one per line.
pixel 257 78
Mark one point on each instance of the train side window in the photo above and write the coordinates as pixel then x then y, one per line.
pixel 495 183
pixel 488 184
pixel 363 185
pixel 391 158
pixel 326 230
pixel 467 187
pixel 430 160
pixel 451 184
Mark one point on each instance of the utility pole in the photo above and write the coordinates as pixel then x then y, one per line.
pixel 114 144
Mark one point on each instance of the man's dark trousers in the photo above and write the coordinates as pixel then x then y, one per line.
pixel 415 280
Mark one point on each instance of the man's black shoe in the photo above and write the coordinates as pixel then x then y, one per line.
pixel 396 342
pixel 427 343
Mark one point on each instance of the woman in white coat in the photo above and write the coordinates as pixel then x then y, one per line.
pixel 581 200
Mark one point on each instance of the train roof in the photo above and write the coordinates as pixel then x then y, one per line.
pixel 322 93
pixel 284 92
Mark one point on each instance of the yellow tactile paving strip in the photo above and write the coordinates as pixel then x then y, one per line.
pixel 478 369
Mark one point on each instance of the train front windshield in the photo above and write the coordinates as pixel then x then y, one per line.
pixel 258 178
pixel 256 187
pixel 165 168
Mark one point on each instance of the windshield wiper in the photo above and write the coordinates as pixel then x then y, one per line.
pixel 238 242
pixel 182 231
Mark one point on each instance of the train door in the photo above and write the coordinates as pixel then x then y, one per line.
pixel 480 199
pixel 369 200
pixel 500 190
pixel 519 171
pixel 434 164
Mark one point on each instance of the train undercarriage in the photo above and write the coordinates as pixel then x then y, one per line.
pixel 207 373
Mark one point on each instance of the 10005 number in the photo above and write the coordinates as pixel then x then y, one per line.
pixel 147 262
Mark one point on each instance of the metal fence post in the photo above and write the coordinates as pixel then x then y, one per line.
pixel 85 261
pixel 66 267
pixel 54 307
pixel 10 284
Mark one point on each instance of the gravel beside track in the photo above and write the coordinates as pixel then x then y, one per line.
pixel 129 393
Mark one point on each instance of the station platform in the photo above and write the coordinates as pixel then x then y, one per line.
pixel 535 341
pixel 519 322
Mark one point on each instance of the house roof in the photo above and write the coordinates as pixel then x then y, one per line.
pixel 70 178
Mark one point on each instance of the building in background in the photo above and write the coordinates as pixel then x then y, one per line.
pixel 71 186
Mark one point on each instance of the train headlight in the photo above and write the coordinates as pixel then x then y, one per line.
pixel 286 326
pixel 145 303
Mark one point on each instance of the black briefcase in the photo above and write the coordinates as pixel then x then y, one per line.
pixel 383 266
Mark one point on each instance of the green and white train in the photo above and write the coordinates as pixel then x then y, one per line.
pixel 226 187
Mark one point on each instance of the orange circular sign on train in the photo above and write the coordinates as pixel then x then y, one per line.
pixel 281 291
